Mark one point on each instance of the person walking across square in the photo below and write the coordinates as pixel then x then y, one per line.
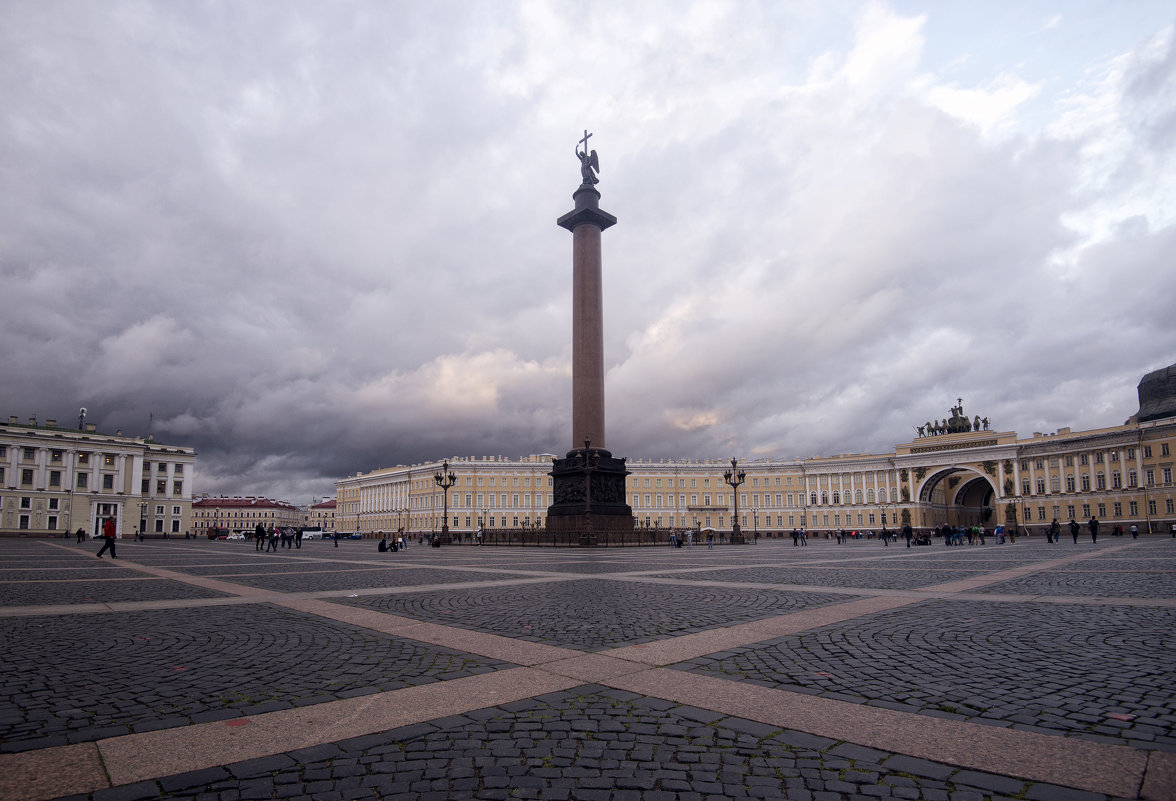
pixel 109 536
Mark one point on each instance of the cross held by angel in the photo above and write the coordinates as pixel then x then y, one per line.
pixel 589 163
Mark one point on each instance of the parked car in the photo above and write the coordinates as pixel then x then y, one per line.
pixel 236 535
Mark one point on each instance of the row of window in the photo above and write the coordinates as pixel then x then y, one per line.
pixel 1100 481
pixel 1084 458
pixel 82 481
pixel 57 456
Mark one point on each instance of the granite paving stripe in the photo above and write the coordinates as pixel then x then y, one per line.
pixel 51 772
pixel 1109 769
pixel 691 646
pixel 1124 584
pixel 1159 783
pixel 138 757
pixel 590 613
pixel 474 642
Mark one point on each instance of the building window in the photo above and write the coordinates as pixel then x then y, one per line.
pixel 108 459
pixel 1069 461
pixel 1132 508
pixel 26 503
pixel 1166 473
pixel 1025 487
pixel 145 487
pixel 1150 475
pixel 29 454
pixel 161 487
pixel 1168 505
pixel 82 480
pixel 107 481
pixel 1102 510
pixel 1070 511
pixel 26 478
pixel 54 478
pixel 54 503
pixel 83 458
pixel 1085 510
pixel 177 511
pixel 24 522
pixel 1116 480
pixel 1055 484
pixel 1132 478
pixel 1086 484
pixel 1164 449
pixel 1147 451
pixel 1151 507
pixel 1100 481
pixel 1098 458
pixel 1084 459
pixel 55 456
pixel 836 497
pixel 177 488
pixel 1040 486
pixel 52 522
pixel 1117 508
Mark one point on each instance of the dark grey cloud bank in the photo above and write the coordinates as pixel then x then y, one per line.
pixel 316 239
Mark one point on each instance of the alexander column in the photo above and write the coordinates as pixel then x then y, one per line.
pixel 588 484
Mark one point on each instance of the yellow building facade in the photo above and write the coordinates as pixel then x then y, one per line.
pixel 1121 474
pixel 55 479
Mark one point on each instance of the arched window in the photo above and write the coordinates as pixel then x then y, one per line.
pixel 824 498
pixel 857 497
pixel 813 499
pixel 836 497
pixel 869 496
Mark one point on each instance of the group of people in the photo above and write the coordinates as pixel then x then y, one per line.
pixel 398 543
pixel 270 539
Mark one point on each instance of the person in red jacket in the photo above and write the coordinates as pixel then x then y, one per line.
pixel 108 535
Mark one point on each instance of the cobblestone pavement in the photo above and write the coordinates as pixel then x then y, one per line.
pixel 75 679
pixel 594 743
pixel 1064 668
pixel 204 670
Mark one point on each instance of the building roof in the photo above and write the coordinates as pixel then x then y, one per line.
pixel 248 502
pixel 324 505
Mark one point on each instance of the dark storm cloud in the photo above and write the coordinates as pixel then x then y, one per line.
pixel 317 239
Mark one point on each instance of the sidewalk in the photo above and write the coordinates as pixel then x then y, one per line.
pixel 196 669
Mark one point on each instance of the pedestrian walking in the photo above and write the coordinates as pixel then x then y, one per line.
pixel 1134 531
pixel 81 535
pixel 108 534
pixel 803 536
pixel 1074 530
pixel 1055 532
pixel 907 533
pixel 271 540
pixel 795 538
pixel 298 538
pixel 336 539
pixel 710 540
pixel 259 537
pixel 1093 526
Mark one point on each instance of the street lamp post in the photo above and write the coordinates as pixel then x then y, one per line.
pixel 755 522
pixel 445 479
pixel 734 477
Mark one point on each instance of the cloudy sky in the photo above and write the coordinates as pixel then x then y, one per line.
pixel 312 239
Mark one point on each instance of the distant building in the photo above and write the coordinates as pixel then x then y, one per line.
pixel 242 513
pixel 957 471
pixel 322 516
pixel 55 479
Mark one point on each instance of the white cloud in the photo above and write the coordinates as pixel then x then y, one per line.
pixel 310 245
